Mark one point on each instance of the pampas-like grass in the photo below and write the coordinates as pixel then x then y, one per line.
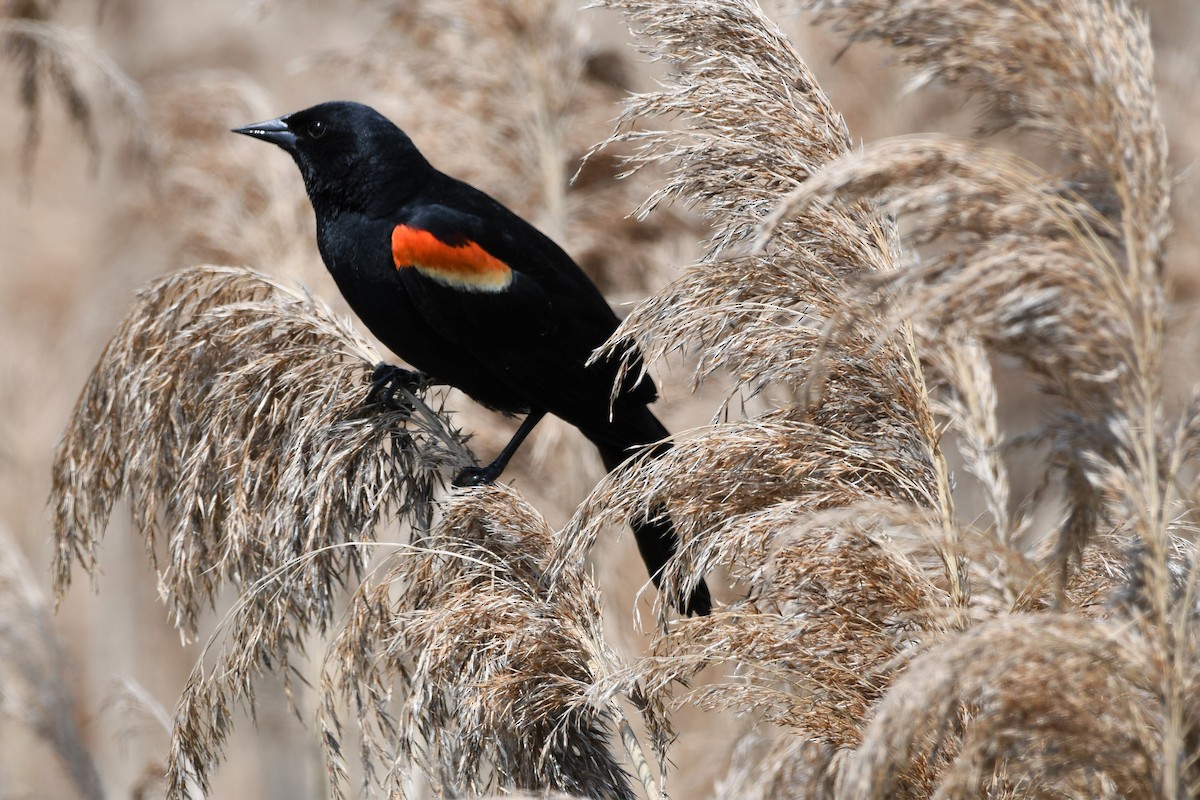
pixel 493 661
pixel 1058 706
pixel 808 286
pixel 743 147
pixel 854 297
pixel 1085 82
pixel 231 411
pixel 1079 299
pixel 34 688
pixel 1024 266
pixel 858 442
pixel 52 59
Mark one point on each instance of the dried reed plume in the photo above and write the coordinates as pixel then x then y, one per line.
pixel 204 189
pixel 230 410
pixel 855 452
pixel 1081 299
pixel 1057 706
pixel 34 691
pixel 833 509
pixel 51 58
pixel 854 298
pixel 493 660
pixel 1063 273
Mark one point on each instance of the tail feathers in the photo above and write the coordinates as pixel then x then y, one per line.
pixel 656 538
pixel 657 542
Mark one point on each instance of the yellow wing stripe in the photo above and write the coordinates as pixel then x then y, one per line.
pixel 461 266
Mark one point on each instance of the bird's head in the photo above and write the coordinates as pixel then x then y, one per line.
pixel 350 155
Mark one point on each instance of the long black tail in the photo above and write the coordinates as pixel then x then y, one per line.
pixel 657 541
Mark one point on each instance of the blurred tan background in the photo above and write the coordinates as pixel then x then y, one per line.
pixel 489 96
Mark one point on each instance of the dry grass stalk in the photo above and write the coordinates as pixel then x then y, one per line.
pixel 1076 293
pixel 744 145
pixel 33 687
pixel 230 410
pixel 1070 696
pixel 50 58
pixel 205 187
pixel 1061 272
pixel 966 399
pixel 494 661
pixel 854 455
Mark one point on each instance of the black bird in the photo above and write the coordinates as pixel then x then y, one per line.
pixel 469 293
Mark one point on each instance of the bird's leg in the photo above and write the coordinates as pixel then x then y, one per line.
pixel 480 476
pixel 388 379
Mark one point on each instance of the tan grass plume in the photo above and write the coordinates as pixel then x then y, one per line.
pixel 809 286
pixel 467 659
pixel 230 410
pixel 51 59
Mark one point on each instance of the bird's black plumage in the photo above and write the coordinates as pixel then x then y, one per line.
pixel 468 292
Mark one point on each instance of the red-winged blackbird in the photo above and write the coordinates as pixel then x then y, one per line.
pixel 469 293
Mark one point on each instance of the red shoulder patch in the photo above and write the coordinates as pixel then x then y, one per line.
pixel 461 266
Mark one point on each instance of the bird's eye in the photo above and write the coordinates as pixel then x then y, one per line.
pixel 316 129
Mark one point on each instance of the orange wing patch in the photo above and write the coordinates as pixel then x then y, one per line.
pixel 462 266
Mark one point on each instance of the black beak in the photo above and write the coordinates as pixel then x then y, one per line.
pixel 274 131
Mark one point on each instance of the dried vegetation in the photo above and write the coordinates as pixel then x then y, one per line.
pixel 903 643
pixel 53 59
pixel 856 298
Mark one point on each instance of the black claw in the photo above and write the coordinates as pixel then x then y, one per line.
pixel 475 476
pixel 388 379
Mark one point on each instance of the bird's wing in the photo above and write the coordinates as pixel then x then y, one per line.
pixel 475 272
pixel 442 245
pixel 489 282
